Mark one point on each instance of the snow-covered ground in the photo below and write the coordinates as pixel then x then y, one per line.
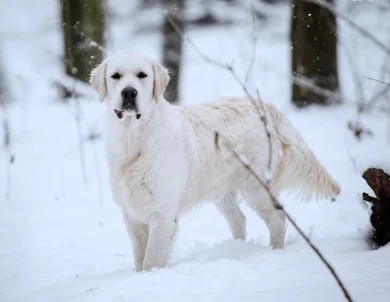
pixel 62 239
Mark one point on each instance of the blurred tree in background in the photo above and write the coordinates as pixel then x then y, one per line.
pixel 83 30
pixel 172 46
pixel 2 83
pixel 314 51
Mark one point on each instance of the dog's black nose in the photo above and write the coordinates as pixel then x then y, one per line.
pixel 129 93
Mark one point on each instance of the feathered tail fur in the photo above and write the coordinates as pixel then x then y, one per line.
pixel 299 169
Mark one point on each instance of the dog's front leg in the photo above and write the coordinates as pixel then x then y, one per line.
pixel 162 229
pixel 138 234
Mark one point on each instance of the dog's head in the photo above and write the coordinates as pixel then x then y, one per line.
pixel 131 84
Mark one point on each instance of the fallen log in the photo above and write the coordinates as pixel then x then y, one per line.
pixel 379 182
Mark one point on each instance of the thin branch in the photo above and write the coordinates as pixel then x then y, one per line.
pixel 79 133
pixel 388 119
pixel 195 48
pixel 97 167
pixel 254 43
pixel 78 117
pixel 371 102
pixel 264 120
pixel 308 84
pixel 278 206
pixel 382 74
pixel 376 80
pixel 352 159
pixel 7 147
pixel 357 79
pixel 232 71
pixel 92 136
pixel 355 26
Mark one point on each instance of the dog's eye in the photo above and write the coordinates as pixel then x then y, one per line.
pixel 116 76
pixel 141 75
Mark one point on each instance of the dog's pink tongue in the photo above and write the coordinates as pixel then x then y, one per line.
pixel 118 113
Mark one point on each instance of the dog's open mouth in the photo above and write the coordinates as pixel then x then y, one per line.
pixel 119 114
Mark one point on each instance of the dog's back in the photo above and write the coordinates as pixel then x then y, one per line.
pixel 215 170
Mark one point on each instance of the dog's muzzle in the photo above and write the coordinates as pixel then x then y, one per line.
pixel 129 102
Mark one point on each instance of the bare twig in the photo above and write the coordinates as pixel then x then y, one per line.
pixel 376 80
pixel 371 102
pixel 278 206
pixel 231 70
pixel 388 119
pixel 97 167
pixel 299 80
pixel 352 158
pixel 79 133
pixel 308 84
pixel 357 79
pixel 7 147
pixel 254 43
pixel 7 134
pixel 355 26
pixel 264 119
pixel 382 75
pixel 78 118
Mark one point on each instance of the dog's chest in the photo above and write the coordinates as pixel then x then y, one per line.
pixel 130 179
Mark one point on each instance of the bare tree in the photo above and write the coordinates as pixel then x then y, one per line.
pixel 172 46
pixel 313 50
pixel 83 22
pixel 6 139
pixel 3 98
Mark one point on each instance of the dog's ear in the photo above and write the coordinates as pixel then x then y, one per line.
pixel 98 80
pixel 161 80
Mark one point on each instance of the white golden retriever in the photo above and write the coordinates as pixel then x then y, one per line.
pixel 163 160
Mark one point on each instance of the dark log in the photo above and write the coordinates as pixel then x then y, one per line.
pixel 379 182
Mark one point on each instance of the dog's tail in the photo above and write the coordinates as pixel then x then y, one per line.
pixel 299 169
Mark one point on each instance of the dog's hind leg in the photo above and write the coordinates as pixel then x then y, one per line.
pixel 230 209
pixel 138 234
pixel 261 203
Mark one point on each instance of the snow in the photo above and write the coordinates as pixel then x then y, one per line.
pixel 64 240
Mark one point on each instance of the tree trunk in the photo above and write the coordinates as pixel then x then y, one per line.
pixel 314 51
pixel 379 182
pixel 2 83
pixel 173 47
pixel 83 30
pixel 4 90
